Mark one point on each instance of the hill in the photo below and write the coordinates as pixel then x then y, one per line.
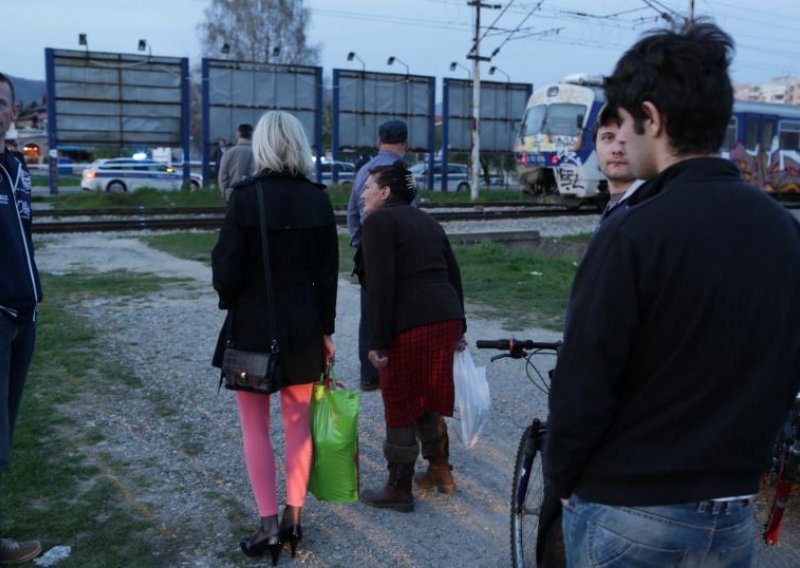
pixel 28 90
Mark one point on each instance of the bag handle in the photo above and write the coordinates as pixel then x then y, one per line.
pixel 328 378
pixel 262 220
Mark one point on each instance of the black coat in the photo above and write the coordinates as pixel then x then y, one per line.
pixel 412 277
pixel 304 262
pixel 682 354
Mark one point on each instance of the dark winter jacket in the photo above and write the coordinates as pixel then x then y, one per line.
pixel 20 289
pixel 682 354
pixel 412 277
pixel 304 259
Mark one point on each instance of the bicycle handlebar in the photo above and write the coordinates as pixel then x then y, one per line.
pixel 510 344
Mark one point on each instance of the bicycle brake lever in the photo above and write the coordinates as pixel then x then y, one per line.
pixel 501 356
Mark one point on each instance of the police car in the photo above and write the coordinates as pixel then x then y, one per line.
pixel 127 174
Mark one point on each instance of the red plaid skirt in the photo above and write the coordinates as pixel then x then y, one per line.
pixel 419 376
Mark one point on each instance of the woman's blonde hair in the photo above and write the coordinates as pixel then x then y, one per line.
pixel 280 144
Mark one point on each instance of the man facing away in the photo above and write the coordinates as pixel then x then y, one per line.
pixel 19 293
pixel 392 146
pixel 681 358
pixel 237 163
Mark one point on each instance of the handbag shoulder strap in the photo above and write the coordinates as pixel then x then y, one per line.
pixel 273 329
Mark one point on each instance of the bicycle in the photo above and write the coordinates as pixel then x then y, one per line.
pixel 527 500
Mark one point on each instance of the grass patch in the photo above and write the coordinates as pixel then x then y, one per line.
pixel 198 246
pixel 53 491
pixel 146 197
pixel 191 246
pixel 524 288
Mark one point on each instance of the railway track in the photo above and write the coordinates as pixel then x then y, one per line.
pixel 170 219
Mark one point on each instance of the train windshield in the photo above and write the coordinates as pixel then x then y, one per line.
pixel 559 119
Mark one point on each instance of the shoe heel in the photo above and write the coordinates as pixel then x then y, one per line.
pixel 275 553
pixel 292 536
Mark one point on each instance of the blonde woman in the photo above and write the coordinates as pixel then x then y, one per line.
pixel 303 252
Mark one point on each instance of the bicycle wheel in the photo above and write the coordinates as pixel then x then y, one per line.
pixel 527 495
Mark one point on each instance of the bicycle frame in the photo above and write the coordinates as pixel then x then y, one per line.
pixel 535 442
pixel 788 476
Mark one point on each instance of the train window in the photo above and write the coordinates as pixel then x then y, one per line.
pixel 767 132
pixel 751 133
pixel 532 123
pixel 562 119
pixel 789 135
pixel 730 135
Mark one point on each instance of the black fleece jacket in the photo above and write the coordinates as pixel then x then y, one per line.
pixel 19 279
pixel 682 354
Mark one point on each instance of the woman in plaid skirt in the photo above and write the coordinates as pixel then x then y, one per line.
pixel 416 321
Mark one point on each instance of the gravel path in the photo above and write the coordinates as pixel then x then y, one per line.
pixel 180 457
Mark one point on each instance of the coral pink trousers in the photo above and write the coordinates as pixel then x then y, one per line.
pixel 259 455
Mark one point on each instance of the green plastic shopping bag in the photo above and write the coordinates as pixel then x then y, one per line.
pixel 334 429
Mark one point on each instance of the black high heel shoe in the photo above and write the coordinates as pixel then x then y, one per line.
pixel 292 535
pixel 267 538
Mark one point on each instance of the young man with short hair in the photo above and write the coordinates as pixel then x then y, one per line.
pixel 612 160
pixel 681 358
pixel 19 293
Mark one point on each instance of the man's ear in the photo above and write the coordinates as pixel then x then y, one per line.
pixel 14 112
pixel 655 121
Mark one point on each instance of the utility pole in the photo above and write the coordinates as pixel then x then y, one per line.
pixel 691 12
pixel 475 55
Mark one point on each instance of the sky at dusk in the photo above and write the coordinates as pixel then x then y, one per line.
pixel 559 38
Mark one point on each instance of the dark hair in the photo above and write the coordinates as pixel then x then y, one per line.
pixel 606 117
pixel 397 178
pixel 245 131
pixel 684 75
pixel 7 81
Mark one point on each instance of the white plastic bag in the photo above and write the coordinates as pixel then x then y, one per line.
pixel 472 403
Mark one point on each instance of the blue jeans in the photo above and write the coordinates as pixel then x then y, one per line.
pixel 16 349
pixel 707 534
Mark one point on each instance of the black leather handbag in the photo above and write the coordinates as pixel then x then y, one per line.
pixel 255 371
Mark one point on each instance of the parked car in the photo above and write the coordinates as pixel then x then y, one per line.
pixel 457 177
pixel 346 172
pixel 126 174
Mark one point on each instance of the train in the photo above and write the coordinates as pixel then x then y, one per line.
pixel 556 159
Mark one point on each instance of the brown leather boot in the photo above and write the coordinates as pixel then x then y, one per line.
pixel 437 477
pixel 396 494
pixel 432 433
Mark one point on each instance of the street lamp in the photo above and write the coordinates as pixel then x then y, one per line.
pixel 492 70
pixel 83 41
pixel 392 59
pixel 352 55
pixel 276 51
pixel 226 48
pixel 455 64
pixel 144 45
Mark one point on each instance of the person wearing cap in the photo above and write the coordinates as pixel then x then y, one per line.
pixel 392 146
